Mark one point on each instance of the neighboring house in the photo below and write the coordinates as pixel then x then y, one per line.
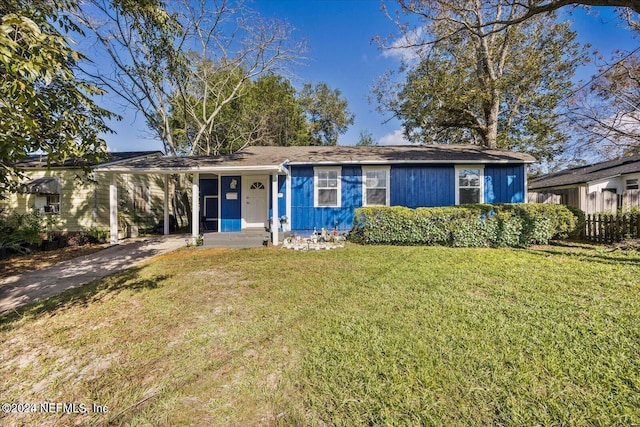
pixel 300 189
pixel 601 187
pixel 73 200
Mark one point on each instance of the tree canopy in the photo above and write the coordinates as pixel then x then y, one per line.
pixel 266 111
pixel 44 105
pixel 202 55
pixel 471 84
pixel 525 10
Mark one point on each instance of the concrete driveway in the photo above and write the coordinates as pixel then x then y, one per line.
pixel 31 286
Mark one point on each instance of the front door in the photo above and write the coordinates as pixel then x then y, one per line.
pixel 256 202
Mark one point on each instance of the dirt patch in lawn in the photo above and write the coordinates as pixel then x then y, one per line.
pixel 17 264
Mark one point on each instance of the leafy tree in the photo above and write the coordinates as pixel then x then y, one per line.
pixel 494 88
pixel 525 10
pixel 366 139
pixel 327 113
pixel 265 112
pixel 273 110
pixel 44 105
pixel 185 51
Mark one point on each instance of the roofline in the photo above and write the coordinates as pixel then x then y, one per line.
pixel 412 162
pixel 559 187
pixel 128 159
pixel 200 169
pixel 113 162
pixel 582 182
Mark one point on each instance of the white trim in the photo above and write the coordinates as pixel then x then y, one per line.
pixel 288 202
pixel 275 218
pixel 219 222
pixel 626 183
pixel 337 169
pixel 526 184
pixel 195 206
pixel 479 168
pixel 386 169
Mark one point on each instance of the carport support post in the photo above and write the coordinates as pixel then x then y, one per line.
pixel 195 206
pixel 166 205
pixel 113 209
pixel 275 220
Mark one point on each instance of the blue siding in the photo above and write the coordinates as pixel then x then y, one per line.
pixel 282 201
pixel 504 183
pixel 422 186
pixel 306 217
pixel 230 210
pixel 410 185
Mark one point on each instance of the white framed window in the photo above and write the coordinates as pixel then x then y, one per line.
pixel 327 187
pixel 469 184
pixel 632 184
pixel 141 198
pixel 48 203
pixel 375 186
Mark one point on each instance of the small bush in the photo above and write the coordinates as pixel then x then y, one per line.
pixel 96 235
pixel 514 225
pixel 21 229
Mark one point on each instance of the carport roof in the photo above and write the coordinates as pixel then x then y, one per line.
pixel 275 158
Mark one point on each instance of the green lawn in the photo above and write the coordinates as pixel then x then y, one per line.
pixel 355 336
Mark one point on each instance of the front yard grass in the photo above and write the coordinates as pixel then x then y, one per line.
pixel 358 336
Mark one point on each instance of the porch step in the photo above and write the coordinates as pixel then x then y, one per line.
pixel 249 239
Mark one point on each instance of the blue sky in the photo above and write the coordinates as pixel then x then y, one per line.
pixel 341 53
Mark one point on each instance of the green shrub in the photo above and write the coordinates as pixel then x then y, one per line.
pixel 19 229
pixel 512 225
pixel 581 221
pixel 96 235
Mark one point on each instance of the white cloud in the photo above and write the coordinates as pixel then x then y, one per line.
pixel 404 47
pixel 395 138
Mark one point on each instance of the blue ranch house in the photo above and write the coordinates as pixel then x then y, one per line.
pixel 299 189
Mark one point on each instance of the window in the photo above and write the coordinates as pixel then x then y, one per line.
pixel 469 185
pixel 375 183
pixel 257 186
pixel 141 196
pixel 327 187
pixel 632 184
pixel 48 203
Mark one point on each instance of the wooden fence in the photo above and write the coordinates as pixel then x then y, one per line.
pixel 612 228
pixel 596 201
pixel 535 197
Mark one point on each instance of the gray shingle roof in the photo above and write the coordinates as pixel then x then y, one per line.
pixel 38 161
pixel 276 156
pixel 584 174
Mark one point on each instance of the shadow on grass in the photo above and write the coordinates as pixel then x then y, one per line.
pixel 591 253
pixel 84 295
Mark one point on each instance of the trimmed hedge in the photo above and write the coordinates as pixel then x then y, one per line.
pixel 515 225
